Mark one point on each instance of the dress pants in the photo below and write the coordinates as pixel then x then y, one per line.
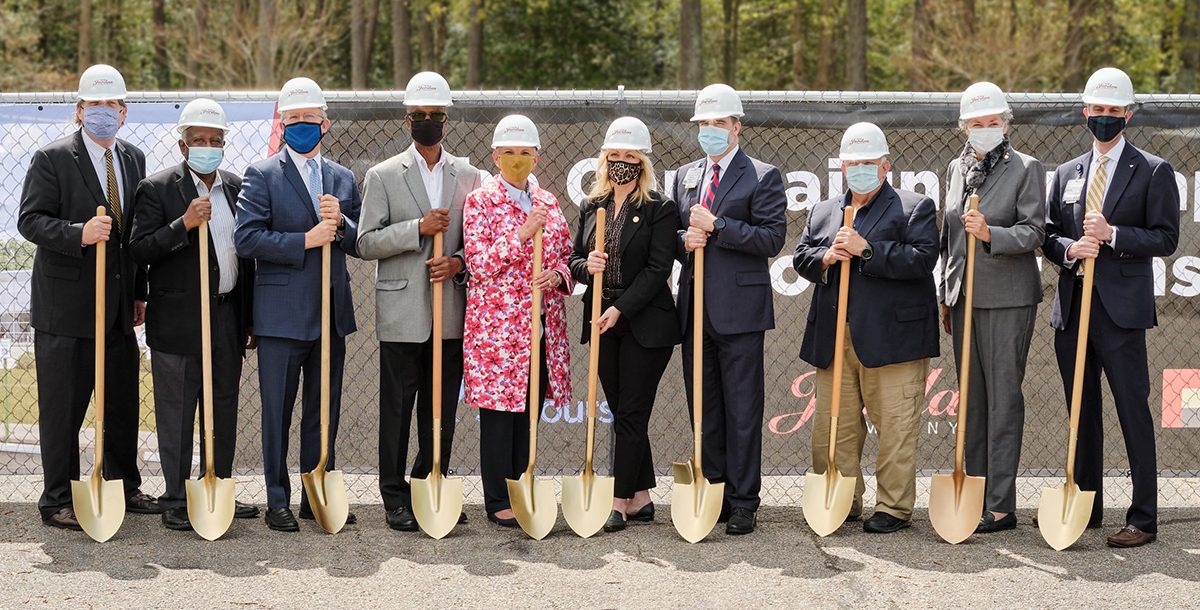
pixel 65 382
pixel 504 447
pixel 1121 354
pixel 178 397
pixel 280 362
pixel 405 377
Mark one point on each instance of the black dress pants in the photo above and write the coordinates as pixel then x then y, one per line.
pixel 504 447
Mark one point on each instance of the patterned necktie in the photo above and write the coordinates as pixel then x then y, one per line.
pixel 1095 196
pixel 314 185
pixel 114 192
pixel 710 197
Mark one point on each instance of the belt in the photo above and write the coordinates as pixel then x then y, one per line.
pixel 224 298
pixel 611 293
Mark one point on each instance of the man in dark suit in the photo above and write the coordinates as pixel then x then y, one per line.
pixel 292 204
pixel 736 207
pixel 892 318
pixel 1118 205
pixel 66 182
pixel 171 205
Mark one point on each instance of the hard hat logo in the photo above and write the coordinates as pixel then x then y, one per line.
pixel 979 98
pixel 856 141
pixel 708 101
pixel 1112 86
pixel 100 82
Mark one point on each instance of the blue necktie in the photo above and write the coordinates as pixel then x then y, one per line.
pixel 314 185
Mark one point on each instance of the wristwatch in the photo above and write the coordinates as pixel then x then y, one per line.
pixel 718 226
pixel 868 252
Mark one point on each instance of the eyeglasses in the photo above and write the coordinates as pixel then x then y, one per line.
pixel 417 115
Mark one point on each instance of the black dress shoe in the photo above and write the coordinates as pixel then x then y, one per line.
pixel 244 511
pixel 402 520
pixel 644 515
pixel 615 522
pixel 853 518
pixel 176 519
pixel 462 518
pixel 989 523
pixel 308 516
pixel 883 523
pixel 142 504
pixel 63 519
pixel 741 521
pixel 282 520
pixel 502 522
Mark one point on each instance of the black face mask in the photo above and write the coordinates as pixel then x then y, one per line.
pixel 1106 128
pixel 621 172
pixel 427 132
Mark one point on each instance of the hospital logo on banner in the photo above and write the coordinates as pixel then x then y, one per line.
pixel 1181 398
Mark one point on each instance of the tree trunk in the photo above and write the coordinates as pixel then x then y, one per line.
pixel 425 30
pixel 113 33
pixel 1189 47
pixel 825 44
pixel 264 48
pixel 920 47
pixel 969 15
pixel 856 45
pixel 358 55
pixel 401 43
pixel 729 41
pixel 475 44
pixel 372 25
pixel 194 38
pixel 162 70
pixel 1077 36
pixel 441 31
pixel 85 34
pixel 798 44
pixel 691 45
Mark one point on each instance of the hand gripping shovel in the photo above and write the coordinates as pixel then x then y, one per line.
pixel 587 499
pixel 99 505
pixel 209 500
pixel 436 499
pixel 827 497
pixel 695 502
pixel 325 489
pixel 1063 513
pixel 533 500
pixel 956 500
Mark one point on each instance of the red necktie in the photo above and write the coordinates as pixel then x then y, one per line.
pixel 711 196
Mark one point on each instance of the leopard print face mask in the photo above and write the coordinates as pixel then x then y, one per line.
pixel 621 172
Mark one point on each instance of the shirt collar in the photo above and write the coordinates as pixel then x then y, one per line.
pixel 95 150
pixel 725 161
pixel 301 161
pixel 513 192
pixel 441 162
pixel 1114 154
pixel 217 184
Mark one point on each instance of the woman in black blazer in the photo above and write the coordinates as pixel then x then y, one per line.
pixel 638 324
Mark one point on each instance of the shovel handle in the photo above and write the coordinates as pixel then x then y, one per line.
pixel 697 355
pixel 964 371
pixel 594 343
pixel 101 326
pixel 839 344
pixel 535 353
pixel 438 249
pixel 326 255
pixel 206 351
pixel 1085 317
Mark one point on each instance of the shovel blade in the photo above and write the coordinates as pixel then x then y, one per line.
pixel 586 502
pixel 1063 514
pixel 210 506
pixel 326 492
pixel 826 501
pixel 437 511
pixel 99 506
pixel 953 511
pixel 534 504
pixel 695 503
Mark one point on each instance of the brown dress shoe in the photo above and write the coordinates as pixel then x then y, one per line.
pixel 65 519
pixel 1129 537
pixel 142 504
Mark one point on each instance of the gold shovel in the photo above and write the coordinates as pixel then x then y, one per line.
pixel 956 500
pixel 533 500
pixel 695 502
pixel 99 505
pixel 436 499
pixel 587 499
pixel 1063 513
pixel 325 489
pixel 828 497
pixel 209 500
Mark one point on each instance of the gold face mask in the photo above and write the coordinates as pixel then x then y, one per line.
pixel 515 168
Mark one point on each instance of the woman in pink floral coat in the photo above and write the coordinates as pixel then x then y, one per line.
pixel 500 220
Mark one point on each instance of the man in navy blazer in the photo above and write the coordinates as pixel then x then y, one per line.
pixel 1118 205
pixel 892 320
pixel 736 207
pixel 291 205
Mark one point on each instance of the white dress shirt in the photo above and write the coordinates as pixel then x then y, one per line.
pixel 1114 158
pixel 521 196
pixel 432 177
pixel 220 231
pixel 706 178
pixel 96 154
pixel 302 165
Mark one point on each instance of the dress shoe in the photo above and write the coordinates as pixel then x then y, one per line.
pixel 1129 537
pixel 244 511
pixel 615 522
pixel 989 523
pixel 726 511
pixel 64 519
pixel 853 517
pixel 282 520
pixel 142 504
pixel 462 518
pixel 176 519
pixel 883 523
pixel 644 514
pixel 510 522
pixel 402 520
pixel 308 516
pixel 741 521
pixel 1092 525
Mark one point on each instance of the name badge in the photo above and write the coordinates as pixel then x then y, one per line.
pixel 693 177
pixel 1073 191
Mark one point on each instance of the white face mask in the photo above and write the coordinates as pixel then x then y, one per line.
pixel 984 139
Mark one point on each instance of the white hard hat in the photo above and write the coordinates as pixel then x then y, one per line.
pixel 1109 87
pixel 627 133
pixel 427 89
pixel 515 130
pixel 862 142
pixel 717 102
pixel 301 92
pixel 202 112
pixel 981 99
pixel 101 82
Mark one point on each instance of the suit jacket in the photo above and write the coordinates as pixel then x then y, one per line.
pixel 751 199
pixel 892 305
pixel 61 193
pixel 647 255
pixel 274 211
pixel 394 200
pixel 1142 202
pixel 170 252
pixel 1012 200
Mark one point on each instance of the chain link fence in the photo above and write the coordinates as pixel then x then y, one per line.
pixel 798 132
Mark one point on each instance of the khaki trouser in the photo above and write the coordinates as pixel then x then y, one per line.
pixel 893 395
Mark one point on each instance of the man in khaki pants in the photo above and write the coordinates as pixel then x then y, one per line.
pixel 891 322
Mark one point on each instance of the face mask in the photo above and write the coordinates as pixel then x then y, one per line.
pixel 713 140
pixel 863 179
pixel 621 172
pixel 204 160
pixel 515 168
pixel 427 132
pixel 302 137
pixel 1106 128
pixel 102 122
pixel 984 139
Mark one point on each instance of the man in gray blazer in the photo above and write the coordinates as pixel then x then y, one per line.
pixel 407 199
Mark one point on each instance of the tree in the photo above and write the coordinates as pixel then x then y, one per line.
pixel 921 33
pixel 162 69
pixel 401 43
pixel 1189 47
pixel 475 13
pixel 264 48
pixel 798 21
pixel 363 22
pixel 729 32
pixel 691 56
pixel 85 34
pixel 856 45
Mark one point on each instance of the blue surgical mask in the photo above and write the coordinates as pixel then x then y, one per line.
pixel 204 160
pixel 302 137
pixel 102 122
pixel 713 140
pixel 863 179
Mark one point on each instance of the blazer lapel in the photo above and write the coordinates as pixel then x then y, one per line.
pixel 292 173
pixel 736 168
pixel 634 219
pixel 87 170
pixel 128 168
pixel 230 193
pixel 449 180
pixel 416 186
pixel 995 177
pixel 877 208
pixel 1122 173
pixel 589 226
